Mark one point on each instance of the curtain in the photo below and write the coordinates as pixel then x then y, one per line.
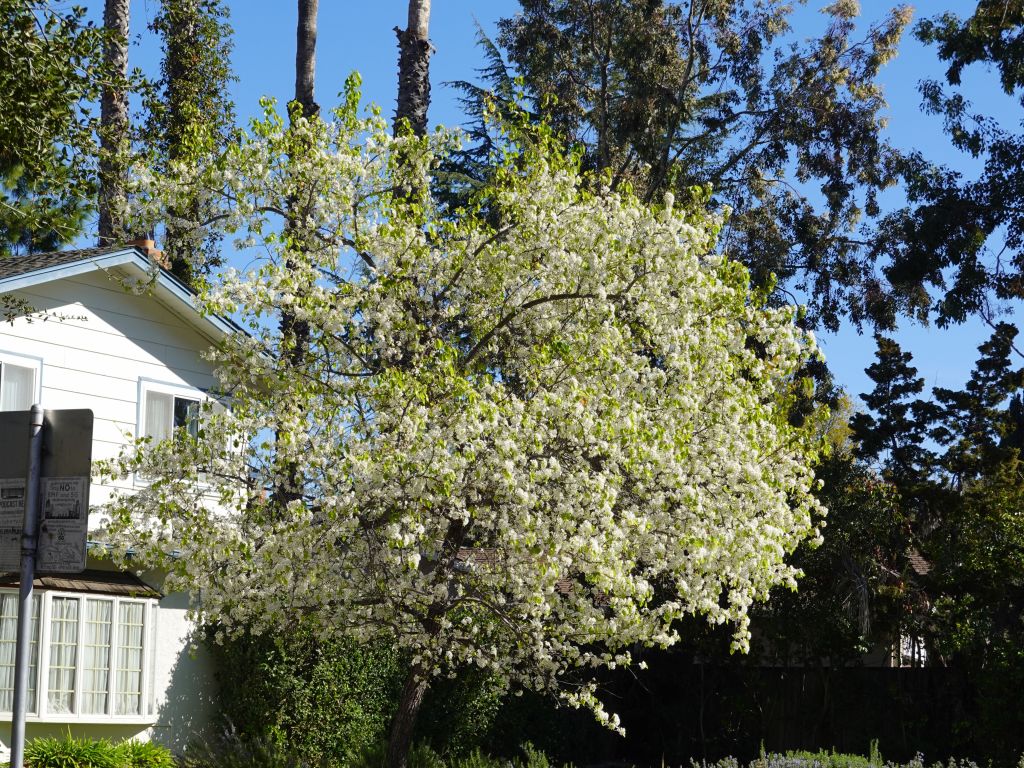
pixel 8 647
pixel 60 695
pixel 129 659
pixel 17 387
pixel 96 656
pixel 159 415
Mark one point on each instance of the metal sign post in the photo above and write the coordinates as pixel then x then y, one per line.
pixel 50 482
pixel 28 576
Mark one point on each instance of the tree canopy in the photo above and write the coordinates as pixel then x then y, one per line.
pixel 527 436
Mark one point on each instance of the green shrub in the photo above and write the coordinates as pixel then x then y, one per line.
pixel 144 754
pixel 71 752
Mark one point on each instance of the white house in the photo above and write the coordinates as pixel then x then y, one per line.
pixel 112 655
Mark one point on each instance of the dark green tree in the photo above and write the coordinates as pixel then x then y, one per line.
pixel 671 96
pixel 858 590
pixel 974 422
pixel 958 245
pixel 192 113
pixel 50 71
pixel 893 434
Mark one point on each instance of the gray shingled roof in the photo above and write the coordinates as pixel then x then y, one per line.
pixel 102 582
pixel 20 265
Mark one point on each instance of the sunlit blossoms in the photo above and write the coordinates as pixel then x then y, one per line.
pixel 523 435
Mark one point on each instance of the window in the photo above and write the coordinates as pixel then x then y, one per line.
pixel 19 382
pixel 97 658
pixel 166 408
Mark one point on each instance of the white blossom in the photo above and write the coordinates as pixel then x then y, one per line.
pixel 529 435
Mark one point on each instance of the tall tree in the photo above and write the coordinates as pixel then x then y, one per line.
pixel 669 96
pixel 303 113
pixel 957 248
pixel 114 126
pixel 414 69
pixel 191 116
pixel 305 58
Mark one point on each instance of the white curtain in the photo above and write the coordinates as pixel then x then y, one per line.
pixel 96 656
pixel 17 387
pixel 8 646
pixel 129 659
pixel 60 695
pixel 159 415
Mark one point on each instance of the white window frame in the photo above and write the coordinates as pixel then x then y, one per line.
pixel 164 388
pixel 177 390
pixel 25 361
pixel 147 675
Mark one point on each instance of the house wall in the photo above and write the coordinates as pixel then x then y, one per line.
pixel 93 356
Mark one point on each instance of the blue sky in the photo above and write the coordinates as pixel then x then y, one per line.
pixel 359 36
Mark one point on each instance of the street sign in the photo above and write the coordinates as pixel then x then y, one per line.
pixel 63 493
pixel 12 519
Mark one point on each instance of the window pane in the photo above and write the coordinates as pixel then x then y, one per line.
pixel 17 387
pixel 60 697
pixel 128 695
pixel 186 415
pixel 96 656
pixel 159 415
pixel 8 646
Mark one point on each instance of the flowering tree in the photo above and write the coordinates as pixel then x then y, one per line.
pixel 529 434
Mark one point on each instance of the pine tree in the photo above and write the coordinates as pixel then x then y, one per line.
pixel 894 436
pixel 975 420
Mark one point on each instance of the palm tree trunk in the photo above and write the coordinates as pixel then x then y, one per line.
pixel 305 57
pixel 114 122
pixel 414 51
pixel 295 332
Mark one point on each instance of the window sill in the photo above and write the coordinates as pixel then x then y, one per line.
pixel 5 717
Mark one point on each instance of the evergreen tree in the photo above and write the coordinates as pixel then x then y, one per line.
pixel 669 96
pixel 192 113
pixel 50 70
pixel 962 236
pixel 975 420
pixel 894 436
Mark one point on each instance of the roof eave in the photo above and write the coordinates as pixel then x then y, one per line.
pixel 173 291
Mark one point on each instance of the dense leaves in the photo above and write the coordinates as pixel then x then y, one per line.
pixel 50 69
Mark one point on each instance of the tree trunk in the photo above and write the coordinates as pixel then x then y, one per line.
pixel 295 332
pixel 114 122
pixel 414 69
pixel 305 57
pixel 404 722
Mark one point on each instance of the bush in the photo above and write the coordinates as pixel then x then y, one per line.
pixel 333 701
pixel 71 752
pixel 230 749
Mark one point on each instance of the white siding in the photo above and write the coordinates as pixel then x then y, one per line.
pixel 104 343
